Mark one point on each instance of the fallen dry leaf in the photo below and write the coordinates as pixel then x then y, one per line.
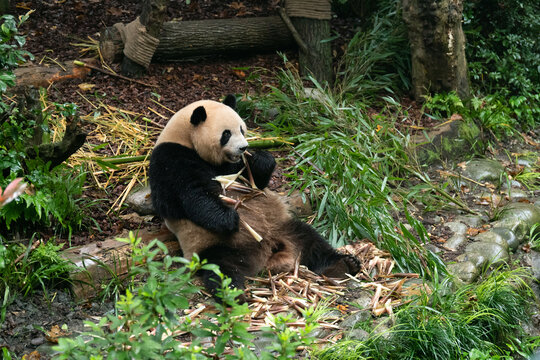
pixel 455 117
pixel 34 355
pixel 239 73
pixel 55 333
pixel 86 86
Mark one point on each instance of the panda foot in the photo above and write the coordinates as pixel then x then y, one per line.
pixel 346 264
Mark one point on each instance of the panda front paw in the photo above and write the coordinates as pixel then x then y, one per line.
pixel 261 164
pixel 229 223
pixel 261 160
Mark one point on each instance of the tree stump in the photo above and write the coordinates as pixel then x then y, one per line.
pixel 437 46
pixel 152 17
pixel 311 20
pixel 318 60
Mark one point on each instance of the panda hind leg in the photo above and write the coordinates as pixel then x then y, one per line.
pixel 234 263
pixel 318 255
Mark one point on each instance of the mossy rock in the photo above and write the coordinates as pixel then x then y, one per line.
pixel 450 142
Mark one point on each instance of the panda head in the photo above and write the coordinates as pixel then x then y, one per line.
pixel 217 131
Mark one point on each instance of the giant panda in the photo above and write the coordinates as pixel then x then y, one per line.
pixel 206 139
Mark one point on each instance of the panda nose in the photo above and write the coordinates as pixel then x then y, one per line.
pixel 243 148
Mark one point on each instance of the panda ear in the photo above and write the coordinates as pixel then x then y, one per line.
pixel 230 101
pixel 198 116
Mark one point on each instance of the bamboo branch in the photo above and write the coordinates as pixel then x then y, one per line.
pixel 80 63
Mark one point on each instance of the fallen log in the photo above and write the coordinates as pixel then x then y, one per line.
pixel 181 40
pixel 98 262
pixel 43 75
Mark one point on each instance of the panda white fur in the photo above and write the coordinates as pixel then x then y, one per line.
pixel 206 139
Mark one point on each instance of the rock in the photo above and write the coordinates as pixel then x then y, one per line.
pixel 527 162
pixel 535 264
pixel 471 220
pixel 513 184
pixel 455 241
pixel 320 333
pixel 355 318
pixel 465 271
pixel 434 249
pixel 451 141
pixel 484 253
pixel 457 227
pixel 482 170
pixel 516 194
pixel 37 341
pixel 492 237
pixel 509 236
pixel 518 217
pixel 358 334
pixel 363 298
pixel 140 201
pixel 381 328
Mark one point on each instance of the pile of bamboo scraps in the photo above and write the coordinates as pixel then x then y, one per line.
pixel 376 274
pixel 291 292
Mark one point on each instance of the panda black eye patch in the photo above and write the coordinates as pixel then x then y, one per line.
pixel 242 130
pixel 225 136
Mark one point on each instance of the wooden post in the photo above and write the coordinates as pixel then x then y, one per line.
pixel 152 17
pixel 311 19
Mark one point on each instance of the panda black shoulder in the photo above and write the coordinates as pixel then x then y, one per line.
pixel 174 169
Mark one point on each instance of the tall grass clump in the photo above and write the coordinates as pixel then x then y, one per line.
pixel 377 58
pixel 451 324
pixel 349 164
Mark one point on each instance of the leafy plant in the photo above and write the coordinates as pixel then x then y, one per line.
pixel 11 53
pixel 56 198
pixel 496 114
pixel 56 201
pixel 502 45
pixel 350 165
pixel 534 236
pixel 23 269
pixel 151 312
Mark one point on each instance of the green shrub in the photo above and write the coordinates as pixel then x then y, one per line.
pixel 56 200
pixel 11 53
pixel 502 45
pixel 497 114
pixel 377 58
pixel 149 317
pixel 24 270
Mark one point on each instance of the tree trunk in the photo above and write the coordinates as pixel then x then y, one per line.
pixel 317 61
pixel 181 40
pixel 437 46
pixel 152 17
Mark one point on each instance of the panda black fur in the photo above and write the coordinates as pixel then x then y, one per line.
pixel 206 139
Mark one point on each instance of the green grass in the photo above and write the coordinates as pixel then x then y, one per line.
pixel 450 323
pixel 351 165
